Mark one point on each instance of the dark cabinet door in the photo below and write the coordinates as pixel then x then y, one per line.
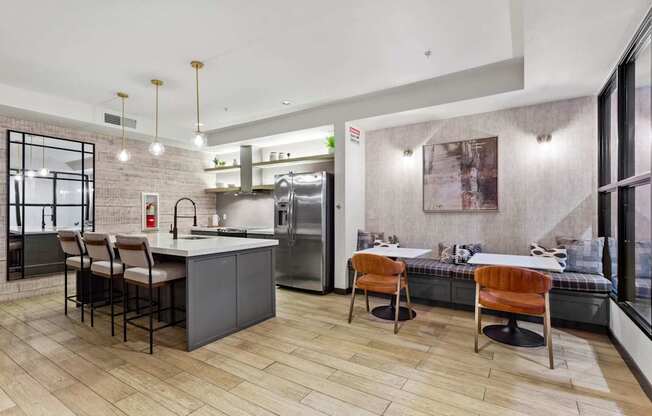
pixel 255 287
pixel 211 298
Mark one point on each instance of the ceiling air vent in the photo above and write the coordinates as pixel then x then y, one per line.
pixel 115 120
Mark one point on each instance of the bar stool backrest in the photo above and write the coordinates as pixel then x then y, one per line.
pixel 513 279
pixel 71 242
pixel 134 250
pixel 99 246
pixel 366 263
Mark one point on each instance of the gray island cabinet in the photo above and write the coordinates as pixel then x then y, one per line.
pixel 229 283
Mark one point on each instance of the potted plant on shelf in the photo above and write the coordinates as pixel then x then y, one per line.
pixel 330 144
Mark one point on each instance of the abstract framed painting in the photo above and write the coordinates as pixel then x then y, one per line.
pixel 461 176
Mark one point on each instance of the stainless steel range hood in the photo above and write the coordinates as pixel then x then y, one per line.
pixel 246 170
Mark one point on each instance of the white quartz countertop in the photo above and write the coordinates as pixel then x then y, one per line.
pixel 162 243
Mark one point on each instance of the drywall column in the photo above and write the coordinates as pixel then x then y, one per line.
pixel 349 195
pixel 339 266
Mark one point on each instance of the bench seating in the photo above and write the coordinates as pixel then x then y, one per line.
pixel 577 299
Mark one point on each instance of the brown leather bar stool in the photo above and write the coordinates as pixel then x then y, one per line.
pixel 379 274
pixel 74 252
pixel 513 290
pixel 141 270
pixel 105 265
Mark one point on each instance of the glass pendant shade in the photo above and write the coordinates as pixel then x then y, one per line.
pixel 44 172
pixel 199 139
pixel 156 148
pixel 123 155
pixel 18 177
pixel 30 173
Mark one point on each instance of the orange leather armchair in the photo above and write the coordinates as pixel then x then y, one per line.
pixel 514 290
pixel 379 274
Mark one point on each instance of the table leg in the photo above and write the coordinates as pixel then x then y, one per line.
pixel 512 334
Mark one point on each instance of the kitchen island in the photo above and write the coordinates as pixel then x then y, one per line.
pixel 229 282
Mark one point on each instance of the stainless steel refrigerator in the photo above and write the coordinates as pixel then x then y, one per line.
pixel 303 225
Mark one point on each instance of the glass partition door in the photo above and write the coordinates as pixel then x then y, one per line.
pixel 51 187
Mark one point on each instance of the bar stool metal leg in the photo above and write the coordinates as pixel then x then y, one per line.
pixel 81 283
pixel 151 314
pixel 111 301
pixel 91 294
pixel 124 309
pixel 172 314
pixel 65 285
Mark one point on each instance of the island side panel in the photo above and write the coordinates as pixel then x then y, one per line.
pixel 256 288
pixel 211 293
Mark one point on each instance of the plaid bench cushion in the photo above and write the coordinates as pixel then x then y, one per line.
pixel 583 282
pixel 436 268
pixel 565 281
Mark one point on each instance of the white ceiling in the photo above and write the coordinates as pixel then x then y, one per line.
pixel 311 52
pixel 570 49
pixel 257 52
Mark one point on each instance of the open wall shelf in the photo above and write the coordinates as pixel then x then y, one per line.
pixel 223 169
pixel 237 189
pixel 278 163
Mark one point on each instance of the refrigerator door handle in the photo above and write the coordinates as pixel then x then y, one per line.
pixel 291 221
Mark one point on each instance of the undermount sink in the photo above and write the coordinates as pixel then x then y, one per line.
pixel 192 237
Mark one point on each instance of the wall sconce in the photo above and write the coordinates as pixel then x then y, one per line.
pixel 544 138
pixel 408 153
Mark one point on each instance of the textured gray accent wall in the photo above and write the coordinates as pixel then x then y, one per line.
pixel 118 186
pixel 545 190
pixel 246 210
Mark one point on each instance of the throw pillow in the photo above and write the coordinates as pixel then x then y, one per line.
pixel 462 255
pixel 447 252
pixel 381 243
pixel 558 254
pixel 366 239
pixel 584 256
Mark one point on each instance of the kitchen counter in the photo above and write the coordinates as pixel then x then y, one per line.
pixel 229 283
pixel 193 245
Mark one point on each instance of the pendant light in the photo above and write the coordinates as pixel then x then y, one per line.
pixel 30 172
pixel 123 155
pixel 199 138
pixel 156 148
pixel 44 170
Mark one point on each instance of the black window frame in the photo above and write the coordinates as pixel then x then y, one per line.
pixel 87 197
pixel 622 78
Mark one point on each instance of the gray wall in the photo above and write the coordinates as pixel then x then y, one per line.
pixel 545 190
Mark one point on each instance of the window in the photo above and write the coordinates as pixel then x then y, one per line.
pixel 625 158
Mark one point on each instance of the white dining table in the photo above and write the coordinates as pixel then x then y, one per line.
pixel 528 262
pixel 396 252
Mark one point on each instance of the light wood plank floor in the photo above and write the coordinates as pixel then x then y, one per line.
pixel 306 361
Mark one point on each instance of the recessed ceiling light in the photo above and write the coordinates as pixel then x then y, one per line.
pixel 286 102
